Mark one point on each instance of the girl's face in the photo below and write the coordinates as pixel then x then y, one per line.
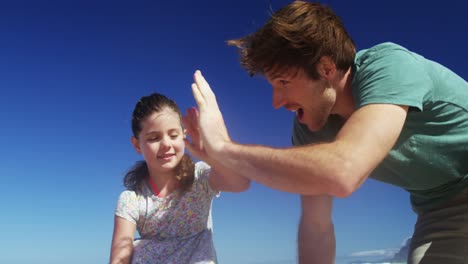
pixel 161 141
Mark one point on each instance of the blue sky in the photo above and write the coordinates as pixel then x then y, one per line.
pixel 71 72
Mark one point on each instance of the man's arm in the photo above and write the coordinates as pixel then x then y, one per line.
pixel 316 237
pixel 222 179
pixel 337 168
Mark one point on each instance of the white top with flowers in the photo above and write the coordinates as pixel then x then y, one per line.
pixel 173 229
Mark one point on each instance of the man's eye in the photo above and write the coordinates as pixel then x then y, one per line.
pixel 153 139
pixel 174 136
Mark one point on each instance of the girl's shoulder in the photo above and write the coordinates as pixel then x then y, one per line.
pixel 128 196
pixel 129 205
pixel 140 193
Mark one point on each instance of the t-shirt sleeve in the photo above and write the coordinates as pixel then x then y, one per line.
pixel 202 174
pixel 390 74
pixel 127 206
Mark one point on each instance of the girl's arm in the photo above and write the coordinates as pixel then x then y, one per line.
pixel 122 241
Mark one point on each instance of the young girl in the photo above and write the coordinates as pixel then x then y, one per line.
pixel 168 197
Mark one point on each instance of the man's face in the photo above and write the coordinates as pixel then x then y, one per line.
pixel 312 100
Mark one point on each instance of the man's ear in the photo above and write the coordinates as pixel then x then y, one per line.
pixel 136 144
pixel 184 131
pixel 326 68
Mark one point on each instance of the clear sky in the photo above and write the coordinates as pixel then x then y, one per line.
pixel 71 72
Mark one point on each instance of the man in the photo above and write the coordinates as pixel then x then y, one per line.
pixel 384 112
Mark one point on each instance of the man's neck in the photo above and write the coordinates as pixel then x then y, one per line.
pixel 344 105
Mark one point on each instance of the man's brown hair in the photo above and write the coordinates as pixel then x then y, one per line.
pixel 297 36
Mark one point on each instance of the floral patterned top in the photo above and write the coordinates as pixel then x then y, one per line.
pixel 174 229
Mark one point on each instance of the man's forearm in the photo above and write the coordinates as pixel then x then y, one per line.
pixel 224 179
pixel 300 170
pixel 316 237
pixel 316 247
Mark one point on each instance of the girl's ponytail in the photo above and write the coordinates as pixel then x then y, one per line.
pixel 186 172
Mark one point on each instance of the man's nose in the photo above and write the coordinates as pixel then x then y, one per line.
pixel 278 99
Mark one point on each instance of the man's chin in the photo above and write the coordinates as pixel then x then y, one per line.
pixel 314 127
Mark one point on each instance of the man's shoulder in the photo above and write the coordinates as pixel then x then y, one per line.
pixel 382 47
pixel 380 51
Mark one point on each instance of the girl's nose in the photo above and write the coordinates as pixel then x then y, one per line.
pixel 166 142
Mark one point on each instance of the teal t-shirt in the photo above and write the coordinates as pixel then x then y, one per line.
pixel 430 157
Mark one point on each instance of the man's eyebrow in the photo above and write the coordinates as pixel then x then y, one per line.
pixel 276 75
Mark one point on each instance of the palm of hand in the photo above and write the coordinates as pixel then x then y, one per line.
pixel 212 130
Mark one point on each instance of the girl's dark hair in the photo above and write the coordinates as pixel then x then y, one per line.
pixel 145 107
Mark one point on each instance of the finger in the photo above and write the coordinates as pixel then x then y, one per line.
pixel 195 123
pixel 198 95
pixel 193 113
pixel 194 150
pixel 191 149
pixel 187 123
pixel 187 119
pixel 192 128
pixel 190 124
pixel 200 79
pixel 203 85
pixel 192 118
pixel 191 131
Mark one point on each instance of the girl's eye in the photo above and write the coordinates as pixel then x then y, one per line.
pixel 283 82
pixel 154 139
